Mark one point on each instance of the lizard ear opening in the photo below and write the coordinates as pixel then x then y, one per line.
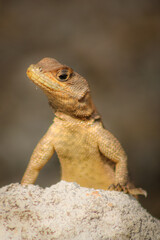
pixel 64 74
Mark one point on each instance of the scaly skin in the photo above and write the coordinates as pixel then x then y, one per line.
pixel 89 154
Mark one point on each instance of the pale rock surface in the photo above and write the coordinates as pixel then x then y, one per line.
pixel 66 211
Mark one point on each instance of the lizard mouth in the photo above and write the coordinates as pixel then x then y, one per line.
pixel 41 79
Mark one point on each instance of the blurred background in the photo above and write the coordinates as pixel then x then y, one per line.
pixel 115 45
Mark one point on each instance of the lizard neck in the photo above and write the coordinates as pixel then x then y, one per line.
pixel 63 116
pixel 82 108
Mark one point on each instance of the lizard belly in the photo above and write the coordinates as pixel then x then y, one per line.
pixel 80 158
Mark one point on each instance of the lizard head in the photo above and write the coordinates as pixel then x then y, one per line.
pixel 67 91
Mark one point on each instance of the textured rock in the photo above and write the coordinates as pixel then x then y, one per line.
pixel 67 211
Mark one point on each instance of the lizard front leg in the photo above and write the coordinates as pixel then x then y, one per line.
pixel 110 147
pixel 40 156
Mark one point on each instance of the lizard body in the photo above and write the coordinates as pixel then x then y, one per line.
pixel 89 154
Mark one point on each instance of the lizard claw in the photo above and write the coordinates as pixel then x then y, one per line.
pixel 137 191
pixel 127 189
pixel 118 187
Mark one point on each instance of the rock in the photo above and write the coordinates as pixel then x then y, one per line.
pixel 68 211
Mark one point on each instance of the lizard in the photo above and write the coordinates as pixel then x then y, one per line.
pixel 88 153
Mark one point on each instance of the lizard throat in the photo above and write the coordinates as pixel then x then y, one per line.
pixel 78 108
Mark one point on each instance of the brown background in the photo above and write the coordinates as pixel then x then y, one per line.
pixel 116 46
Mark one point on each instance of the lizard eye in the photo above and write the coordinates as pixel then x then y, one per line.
pixel 63 75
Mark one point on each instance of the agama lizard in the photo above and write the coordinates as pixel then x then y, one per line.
pixel 89 154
